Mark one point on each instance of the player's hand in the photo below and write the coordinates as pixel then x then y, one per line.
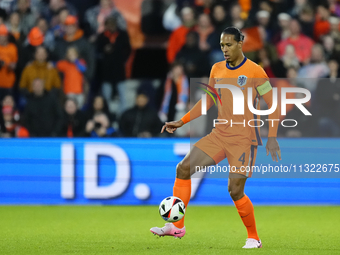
pixel 274 148
pixel 171 127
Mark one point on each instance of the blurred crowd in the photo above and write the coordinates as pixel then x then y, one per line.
pixel 72 68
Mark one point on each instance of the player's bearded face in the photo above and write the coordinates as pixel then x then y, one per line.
pixel 229 47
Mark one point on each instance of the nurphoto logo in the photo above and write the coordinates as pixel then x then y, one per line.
pixel 238 102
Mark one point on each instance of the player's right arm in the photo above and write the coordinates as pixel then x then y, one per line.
pixel 194 113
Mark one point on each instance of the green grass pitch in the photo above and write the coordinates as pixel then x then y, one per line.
pixel 125 230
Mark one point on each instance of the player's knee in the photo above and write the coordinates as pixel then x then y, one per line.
pixel 183 170
pixel 235 191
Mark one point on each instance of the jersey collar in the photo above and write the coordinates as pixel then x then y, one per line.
pixel 236 67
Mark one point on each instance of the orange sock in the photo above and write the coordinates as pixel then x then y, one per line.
pixel 182 189
pixel 246 211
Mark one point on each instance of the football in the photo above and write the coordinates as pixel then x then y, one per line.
pixel 172 209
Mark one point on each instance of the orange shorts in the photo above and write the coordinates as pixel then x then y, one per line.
pixel 241 157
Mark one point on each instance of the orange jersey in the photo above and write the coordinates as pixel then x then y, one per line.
pixel 239 128
pixel 73 78
pixel 8 54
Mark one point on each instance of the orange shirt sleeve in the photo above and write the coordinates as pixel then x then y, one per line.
pixel 62 65
pixel 195 112
pixel 261 79
pixel 273 125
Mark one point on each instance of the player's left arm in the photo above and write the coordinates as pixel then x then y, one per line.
pixel 264 89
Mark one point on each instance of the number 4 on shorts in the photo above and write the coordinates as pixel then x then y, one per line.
pixel 242 158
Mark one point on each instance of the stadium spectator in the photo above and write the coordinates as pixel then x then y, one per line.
pixel 141 120
pixel 289 58
pixel 73 120
pixel 11 120
pixel 41 69
pixel 152 17
pixel 266 63
pixel 283 31
pixel 235 15
pixel 334 7
pixel 35 38
pixel 194 60
pixel 176 93
pixel 335 34
pixel 219 18
pixel 14 28
pixel 42 115
pixel 50 11
pixel 328 46
pixel 97 15
pixel 328 100
pixel 207 35
pixel 177 37
pixel 8 62
pixel 58 24
pixel 204 6
pixel 317 68
pixel 113 48
pixel 99 126
pixel 27 17
pixel 301 43
pixel 49 39
pixel 321 26
pixel 74 37
pixel 73 69
pixel 98 105
pixel 263 18
pixel 306 20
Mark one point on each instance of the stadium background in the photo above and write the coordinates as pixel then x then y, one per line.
pixel 127 74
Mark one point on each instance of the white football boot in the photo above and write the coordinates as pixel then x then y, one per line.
pixel 169 230
pixel 252 243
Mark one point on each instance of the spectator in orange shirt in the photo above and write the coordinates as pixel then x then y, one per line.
pixel 178 36
pixel 8 62
pixel 73 70
pixel 74 37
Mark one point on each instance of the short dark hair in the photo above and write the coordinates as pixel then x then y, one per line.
pixel 238 36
